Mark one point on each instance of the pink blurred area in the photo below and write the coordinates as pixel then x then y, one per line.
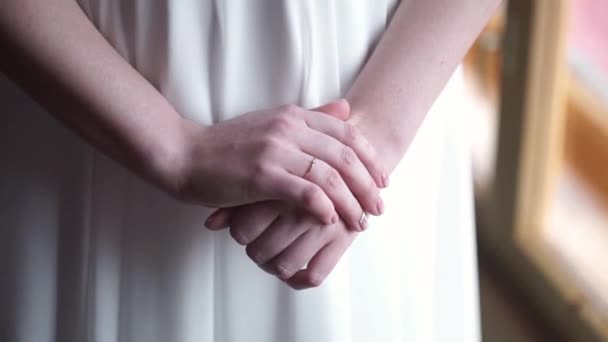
pixel 589 32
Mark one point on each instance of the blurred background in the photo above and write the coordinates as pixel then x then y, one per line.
pixel 537 94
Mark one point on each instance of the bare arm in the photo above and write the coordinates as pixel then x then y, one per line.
pixel 56 55
pixel 422 46
pixel 52 50
pixel 416 56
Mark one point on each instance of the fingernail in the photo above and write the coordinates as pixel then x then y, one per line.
pixel 380 206
pixel 385 180
pixel 363 221
pixel 334 219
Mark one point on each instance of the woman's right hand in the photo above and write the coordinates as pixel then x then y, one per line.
pixel 266 155
pixel 258 156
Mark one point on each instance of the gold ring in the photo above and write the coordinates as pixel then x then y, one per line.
pixel 312 163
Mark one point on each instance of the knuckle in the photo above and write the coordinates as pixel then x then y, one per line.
pixel 282 124
pixel 269 145
pixel 311 195
pixel 366 146
pixel 254 253
pixel 351 133
pixel 332 178
pixel 325 232
pixel 238 236
pixel 260 171
pixel 283 270
pixel 348 156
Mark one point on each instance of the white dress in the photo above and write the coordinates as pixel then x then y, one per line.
pixel 88 252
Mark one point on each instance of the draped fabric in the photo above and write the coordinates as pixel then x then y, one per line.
pixel 89 252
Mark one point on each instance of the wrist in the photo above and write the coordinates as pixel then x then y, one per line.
pixel 172 161
pixel 388 146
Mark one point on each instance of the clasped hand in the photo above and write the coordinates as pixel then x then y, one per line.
pixel 295 186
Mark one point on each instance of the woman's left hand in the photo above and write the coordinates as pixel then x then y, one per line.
pixel 282 240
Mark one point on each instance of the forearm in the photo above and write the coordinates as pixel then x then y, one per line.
pixel 57 56
pixel 415 58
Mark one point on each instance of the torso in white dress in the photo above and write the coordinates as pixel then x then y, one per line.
pixel 92 253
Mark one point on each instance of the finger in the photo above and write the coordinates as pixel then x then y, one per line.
pixel 346 161
pixel 251 220
pixel 281 234
pixel 345 202
pixel 219 219
pixel 321 265
pixel 333 186
pixel 340 109
pixel 302 193
pixel 349 135
pixel 300 252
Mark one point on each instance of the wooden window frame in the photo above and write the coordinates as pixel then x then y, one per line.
pixel 530 152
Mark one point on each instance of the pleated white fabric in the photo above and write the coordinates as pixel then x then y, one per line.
pixel 91 253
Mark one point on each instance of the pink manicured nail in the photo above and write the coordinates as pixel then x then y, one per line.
pixel 363 222
pixel 380 206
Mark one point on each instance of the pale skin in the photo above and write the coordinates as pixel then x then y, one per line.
pixel 416 56
pixel 63 62
pixel 66 65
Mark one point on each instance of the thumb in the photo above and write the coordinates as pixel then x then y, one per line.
pixel 338 108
